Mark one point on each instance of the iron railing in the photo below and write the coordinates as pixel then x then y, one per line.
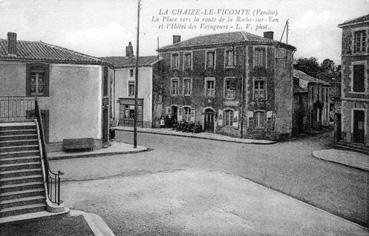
pixel 16 108
pixel 52 179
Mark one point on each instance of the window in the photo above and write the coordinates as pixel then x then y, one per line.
pixel 210 59
pixel 187 60
pixel 229 88
pixel 187 114
pixel 174 86
pixel 210 87
pixel 131 88
pixel 259 89
pixel 358 78
pixel 37 80
pixel 259 57
pixel 259 119
pixel 175 61
pixel 187 86
pixel 229 58
pixel 359 41
pixel 228 117
pixel 131 72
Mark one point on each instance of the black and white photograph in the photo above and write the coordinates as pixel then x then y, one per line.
pixel 184 117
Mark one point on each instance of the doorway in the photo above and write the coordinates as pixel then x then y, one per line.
pixel 359 123
pixel 175 114
pixel 209 120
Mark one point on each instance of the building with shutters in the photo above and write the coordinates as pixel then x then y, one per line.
pixel 237 84
pixel 352 128
pixel 124 87
pixel 73 90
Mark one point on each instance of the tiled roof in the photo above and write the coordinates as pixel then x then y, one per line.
pixel 121 62
pixel 220 39
pixel 301 75
pixel 40 51
pixel 358 20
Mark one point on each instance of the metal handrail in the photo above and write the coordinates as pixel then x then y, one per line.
pixel 52 179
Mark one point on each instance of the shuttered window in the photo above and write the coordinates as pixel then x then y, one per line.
pixel 358 78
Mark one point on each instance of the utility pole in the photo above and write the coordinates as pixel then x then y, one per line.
pixel 136 77
pixel 286 28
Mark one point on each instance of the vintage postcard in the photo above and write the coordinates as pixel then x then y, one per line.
pixel 173 117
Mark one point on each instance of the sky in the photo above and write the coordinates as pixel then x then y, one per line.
pixel 104 27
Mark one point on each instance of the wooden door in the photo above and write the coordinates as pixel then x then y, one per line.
pixel 359 123
pixel 209 120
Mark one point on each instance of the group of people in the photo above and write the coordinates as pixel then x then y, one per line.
pixel 167 121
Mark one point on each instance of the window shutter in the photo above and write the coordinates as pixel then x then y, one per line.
pixel 235 119
pixel 192 115
pixel 220 117
pixel 180 111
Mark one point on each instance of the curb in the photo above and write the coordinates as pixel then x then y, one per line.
pixel 95 222
pixel 206 138
pixel 145 149
pixel 338 163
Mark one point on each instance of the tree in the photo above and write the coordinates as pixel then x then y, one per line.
pixel 327 65
pixel 308 65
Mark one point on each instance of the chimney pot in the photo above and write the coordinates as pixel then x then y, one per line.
pixel 176 39
pixel 12 43
pixel 269 34
pixel 129 50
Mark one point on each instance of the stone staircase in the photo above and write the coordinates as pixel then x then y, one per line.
pixel 22 189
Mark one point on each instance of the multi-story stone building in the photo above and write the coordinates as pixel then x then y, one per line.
pixel 354 123
pixel 237 83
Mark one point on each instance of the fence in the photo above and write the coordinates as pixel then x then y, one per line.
pixel 16 108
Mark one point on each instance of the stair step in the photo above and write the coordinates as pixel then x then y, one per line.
pixel 22 194
pixel 12 143
pixel 12 160
pixel 18 148
pixel 18 137
pixel 22 201
pixel 21 186
pixel 22 209
pixel 20 166
pixel 21 179
pixel 18 132
pixel 24 172
pixel 20 153
pixel 10 126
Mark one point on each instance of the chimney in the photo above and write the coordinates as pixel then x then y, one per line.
pixel 12 43
pixel 269 34
pixel 129 50
pixel 176 39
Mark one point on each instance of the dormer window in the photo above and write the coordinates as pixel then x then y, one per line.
pixel 210 59
pixel 175 61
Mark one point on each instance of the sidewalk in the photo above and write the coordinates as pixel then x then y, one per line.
pixel 76 224
pixel 203 135
pixel 114 149
pixel 344 157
